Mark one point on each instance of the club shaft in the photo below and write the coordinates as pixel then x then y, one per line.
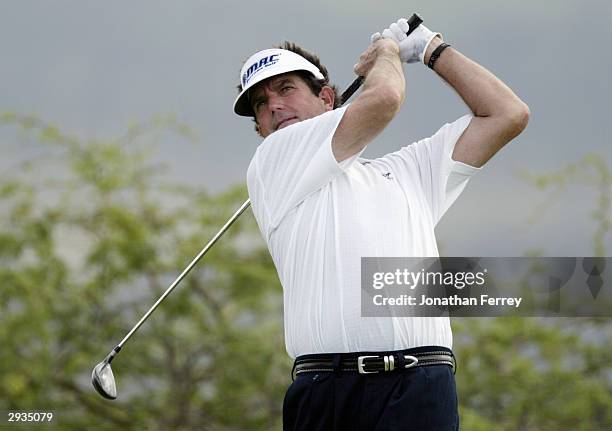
pixel 189 267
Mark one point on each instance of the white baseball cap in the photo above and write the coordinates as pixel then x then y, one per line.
pixel 265 64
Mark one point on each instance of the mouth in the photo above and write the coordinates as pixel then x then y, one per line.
pixel 285 122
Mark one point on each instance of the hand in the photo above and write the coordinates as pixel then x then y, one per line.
pixel 377 49
pixel 412 48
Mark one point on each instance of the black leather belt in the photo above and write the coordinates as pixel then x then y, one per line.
pixel 374 362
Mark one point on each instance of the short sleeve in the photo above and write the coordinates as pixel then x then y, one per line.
pixel 290 164
pixel 429 163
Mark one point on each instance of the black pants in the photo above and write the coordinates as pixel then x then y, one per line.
pixel 418 399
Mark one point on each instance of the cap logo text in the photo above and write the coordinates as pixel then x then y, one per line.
pixel 257 66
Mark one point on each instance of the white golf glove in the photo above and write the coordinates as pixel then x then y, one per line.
pixel 413 47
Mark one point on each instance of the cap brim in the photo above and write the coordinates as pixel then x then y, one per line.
pixel 242 106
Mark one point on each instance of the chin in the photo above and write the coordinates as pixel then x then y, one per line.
pixel 288 123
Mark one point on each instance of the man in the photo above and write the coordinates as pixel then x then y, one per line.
pixel 320 207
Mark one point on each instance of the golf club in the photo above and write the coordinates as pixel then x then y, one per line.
pixel 102 376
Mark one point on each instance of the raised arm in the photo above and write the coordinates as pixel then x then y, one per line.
pixel 379 101
pixel 499 115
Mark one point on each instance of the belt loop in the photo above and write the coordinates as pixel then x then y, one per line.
pixel 336 364
pixel 401 363
pixel 293 370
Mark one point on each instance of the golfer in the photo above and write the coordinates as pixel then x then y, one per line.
pixel 321 207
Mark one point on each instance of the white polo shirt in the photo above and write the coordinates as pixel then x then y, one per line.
pixel 319 217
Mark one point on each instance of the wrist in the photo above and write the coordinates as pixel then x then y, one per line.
pixel 435 42
pixel 388 47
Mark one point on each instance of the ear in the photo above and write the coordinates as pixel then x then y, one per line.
pixel 327 95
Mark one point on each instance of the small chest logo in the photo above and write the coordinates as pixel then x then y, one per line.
pixel 386 175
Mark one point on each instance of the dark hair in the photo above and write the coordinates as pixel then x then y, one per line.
pixel 313 83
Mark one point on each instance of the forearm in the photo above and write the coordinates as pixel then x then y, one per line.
pixel 379 101
pixel 386 75
pixel 484 93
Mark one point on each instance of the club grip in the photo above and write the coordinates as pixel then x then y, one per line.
pixel 414 21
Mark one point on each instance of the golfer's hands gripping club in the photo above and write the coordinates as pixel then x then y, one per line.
pixel 412 47
pixel 413 23
pixel 380 50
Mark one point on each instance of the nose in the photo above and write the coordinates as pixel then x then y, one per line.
pixel 275 102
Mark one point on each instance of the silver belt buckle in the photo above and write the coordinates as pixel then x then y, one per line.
pixel 389 362
pixel 360 364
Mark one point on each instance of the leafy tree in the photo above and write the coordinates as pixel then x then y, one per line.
pixel 84 255
pixel 518 373
pixel 591 171
pixel 542 373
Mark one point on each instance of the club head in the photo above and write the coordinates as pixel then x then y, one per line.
pixel 103 380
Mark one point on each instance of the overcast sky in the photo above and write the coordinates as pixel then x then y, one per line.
pixel 94 67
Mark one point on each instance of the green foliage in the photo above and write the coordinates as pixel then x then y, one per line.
pixel 82 258
pixel 593 171
pixel 534 373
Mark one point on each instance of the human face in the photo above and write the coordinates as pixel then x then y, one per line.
pixel 284 100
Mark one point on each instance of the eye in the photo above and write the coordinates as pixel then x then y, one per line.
pixel 258 104
pixel 286 88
